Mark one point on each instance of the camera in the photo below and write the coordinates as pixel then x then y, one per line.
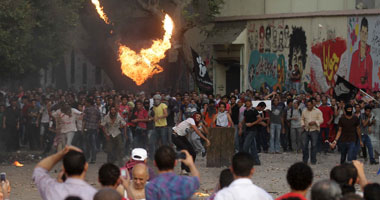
pixel 3 176
pixel 180 155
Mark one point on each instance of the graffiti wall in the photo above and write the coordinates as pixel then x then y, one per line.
pixel 307 54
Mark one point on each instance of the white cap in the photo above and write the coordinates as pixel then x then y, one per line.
pixel 139 154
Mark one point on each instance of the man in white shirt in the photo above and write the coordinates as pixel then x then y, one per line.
pixel 242 187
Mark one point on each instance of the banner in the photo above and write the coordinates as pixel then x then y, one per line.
pixel 202 78
pixel 344 90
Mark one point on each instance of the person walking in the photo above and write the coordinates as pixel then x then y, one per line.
pixel 310 121
pixel 90 125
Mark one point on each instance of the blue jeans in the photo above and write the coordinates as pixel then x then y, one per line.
pixel 139 138
pixel 250 145
pixel 274 144
pixel 312 137
pixel 237 138
pixel 296 86
pixel 368 144
pixel 152 138
pixel 90 144
pixel 321 143
pixel 347 150
pixel 162 133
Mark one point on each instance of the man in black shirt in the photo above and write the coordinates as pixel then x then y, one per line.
pixel 251 120
pixel 348 135
pixel 11 122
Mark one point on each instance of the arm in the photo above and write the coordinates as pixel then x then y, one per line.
pixel 361 175
pixel 359 135
pixel 190 163
pixel 198 132
pixel 241 126
pixel 331 118
pixel 230 120
pixel 213 124
pixel 49 162
pixel 259 119
pixel 319 120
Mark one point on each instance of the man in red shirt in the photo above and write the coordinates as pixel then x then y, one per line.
pixel 299 177
pixel 139 119
pixel 361 62
pixel 328 114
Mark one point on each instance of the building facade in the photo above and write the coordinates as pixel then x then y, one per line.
pixel 258 43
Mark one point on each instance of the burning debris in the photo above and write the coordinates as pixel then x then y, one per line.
pixel 17 164
pixel 143 65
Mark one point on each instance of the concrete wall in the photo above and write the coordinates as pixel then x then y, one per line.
pixel 325 47
pixel 260 7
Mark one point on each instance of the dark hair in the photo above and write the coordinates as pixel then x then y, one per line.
pixel 372 191
pixel 226 177
pixel 342 174
pixel 368 107
pixel 233 97
pixel 242 164
pixel 347 106
pixel 289 101
pixel 90 101
pixel 262 105
pixel 165 158
pixel 124 97
pixel 139 101
pixel 364 23
pixel 108 174
pixel 74 163
pixel 352 196
pixel 222 103
pixel 73 198
pixel 299 176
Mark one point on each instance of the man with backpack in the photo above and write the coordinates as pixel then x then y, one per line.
pixel 294 117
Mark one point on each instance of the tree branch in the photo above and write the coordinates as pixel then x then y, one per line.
pixel 151 6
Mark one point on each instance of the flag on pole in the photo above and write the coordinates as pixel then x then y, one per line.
pixel 344 90
pixel 202 78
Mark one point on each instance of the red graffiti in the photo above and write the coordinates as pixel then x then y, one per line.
pixel 330 53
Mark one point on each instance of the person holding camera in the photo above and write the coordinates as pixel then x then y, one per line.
pixel 167 185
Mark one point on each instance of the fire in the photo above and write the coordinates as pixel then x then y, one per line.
pixel 100 11
pixel 141 66
pixel 17 164
pixel 200 194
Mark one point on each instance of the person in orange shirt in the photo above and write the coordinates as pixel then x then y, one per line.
pixel 209 111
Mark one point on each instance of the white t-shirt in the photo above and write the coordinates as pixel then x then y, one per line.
pixel 181 128
pixel 242 189
pixel 67 123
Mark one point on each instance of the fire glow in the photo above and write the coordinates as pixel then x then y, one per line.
pixel 17 164
pixel 143 65
pixel 100 11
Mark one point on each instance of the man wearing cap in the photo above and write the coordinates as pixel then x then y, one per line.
pixel 161 132
pixel 139 155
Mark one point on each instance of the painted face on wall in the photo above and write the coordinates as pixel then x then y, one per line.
pixel 280 40
pixel 297 58
pixel 364 34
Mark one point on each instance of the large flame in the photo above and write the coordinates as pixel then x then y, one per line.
pixel 139 67
pixel 100 11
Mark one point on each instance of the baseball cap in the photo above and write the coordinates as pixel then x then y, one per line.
pixel 139 154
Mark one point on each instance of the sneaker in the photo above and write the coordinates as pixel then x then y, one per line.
pixel 374 162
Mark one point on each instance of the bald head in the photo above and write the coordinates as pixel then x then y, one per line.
pixel 140 176
pixel 107 194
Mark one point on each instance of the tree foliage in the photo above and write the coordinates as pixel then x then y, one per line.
pixel 34 34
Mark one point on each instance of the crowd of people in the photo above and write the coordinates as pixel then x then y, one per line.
pixel 75 126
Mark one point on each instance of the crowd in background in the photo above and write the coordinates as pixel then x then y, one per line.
pixel 118 122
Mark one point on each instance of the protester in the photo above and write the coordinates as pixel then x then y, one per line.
pixel 310 121
pixel 222 118
pixel 367 121
pixel 348 135
pixel 75 168
pixel 242 187
pixel 180 140
pixel 276 126
pixel 138 156
pixel 91 121
pixel 225 179
pixel 160 131
pixel 111 126
pixel 167 185
pixel 372 191
pixel 107 194
pixel 294 116
pixel 11 124
pixel 328 116
pixel 326 190
pixel 251 120
pixel 300 178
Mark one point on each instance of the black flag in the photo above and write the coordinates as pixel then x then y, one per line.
pixel 344 90
pixel 201 75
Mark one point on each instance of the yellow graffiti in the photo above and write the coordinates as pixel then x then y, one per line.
pixel 330 64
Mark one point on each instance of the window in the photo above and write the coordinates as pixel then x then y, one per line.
pixel 84 73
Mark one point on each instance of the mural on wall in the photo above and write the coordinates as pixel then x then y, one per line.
pixel 276 47
pixel 364 39
pixel 324 64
